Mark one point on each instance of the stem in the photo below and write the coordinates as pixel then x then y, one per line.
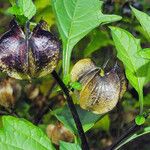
pixel 124 138
pixel 27 34
pixel 3 113
pixel 73 110
pixel 45 110
pixel 141 101
pixel 8 111
pixel 131 130
pixel 66 58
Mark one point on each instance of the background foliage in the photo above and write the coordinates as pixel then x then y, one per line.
pixel 83 33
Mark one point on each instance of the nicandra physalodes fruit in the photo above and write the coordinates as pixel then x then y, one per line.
pixel 100 93
pixel 25 58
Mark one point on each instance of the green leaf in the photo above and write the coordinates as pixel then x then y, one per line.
pixel 98 39
pixel 75 19
pixel 139 120
pixel 23 7
pixel 12 2
pixel 19 134
pixel 103 124
pixel 76 85
pixel 88 119
pixel 15 10
pixel 67 79
pixel 28 8
pixel 105 19
pixel 69 146
pixel 144 20
pixel 146 130
pixel 145 53
pixel 127 51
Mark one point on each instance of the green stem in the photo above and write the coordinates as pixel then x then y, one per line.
pixel 66 58
pixel 141 101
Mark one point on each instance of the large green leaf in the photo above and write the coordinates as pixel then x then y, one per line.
pixel 127 51
pixel 75 19
pixel 19 134
pixel 69 146
pixel 146 130
pixel 144 20
pixel 145 53
pixel 24 8
pixel 87 118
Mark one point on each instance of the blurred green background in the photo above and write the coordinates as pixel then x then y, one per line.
pixel 99 46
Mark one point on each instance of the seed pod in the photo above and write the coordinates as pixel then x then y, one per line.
pixel 10 91
pixel 25 57
pixel 58 132
pixel 100 93
pixel 32 91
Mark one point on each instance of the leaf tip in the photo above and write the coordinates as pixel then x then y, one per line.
pixel 112 28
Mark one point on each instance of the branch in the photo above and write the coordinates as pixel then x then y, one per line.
pixel 42 112
pixel 73 110
pixel 7 111
pixel 130 131
pixel 134 127
pixel 3 113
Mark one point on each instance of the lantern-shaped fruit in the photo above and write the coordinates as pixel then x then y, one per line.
pixel 25 57
pixel 59 132
pixel 100 92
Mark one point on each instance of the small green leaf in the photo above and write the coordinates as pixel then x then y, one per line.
pixel 75 19
pixel 76 85
pixel 87 118
pixel 69 146
pixel 145 53
pixel 28 8
pixel 58 89
pixel 67 79
pixel 23 7
pixel 144 20
pixel 139 120
pixel 105 19
pixel 127 51
pixel 19 134
pixel 15 10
